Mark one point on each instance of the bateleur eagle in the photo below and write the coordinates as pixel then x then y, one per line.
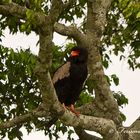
pixel 69 78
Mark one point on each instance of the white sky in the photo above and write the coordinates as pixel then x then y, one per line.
pixel 129 80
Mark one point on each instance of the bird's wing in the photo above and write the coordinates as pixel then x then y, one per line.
pixel 62 72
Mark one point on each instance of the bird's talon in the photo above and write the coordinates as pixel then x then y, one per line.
pixel 72 109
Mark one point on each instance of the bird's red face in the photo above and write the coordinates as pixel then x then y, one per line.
pixel 78 55
pixel 74 53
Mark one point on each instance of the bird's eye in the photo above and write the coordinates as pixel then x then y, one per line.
pixel 75 53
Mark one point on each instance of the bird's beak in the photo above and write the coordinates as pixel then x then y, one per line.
pixel 74 53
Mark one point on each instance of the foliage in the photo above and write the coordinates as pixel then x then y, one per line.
pixel 121 99
pixel 77 11
pixel 112 79
pixel 122 33
pixel 18 87
pixel 84 98
pixel 59 129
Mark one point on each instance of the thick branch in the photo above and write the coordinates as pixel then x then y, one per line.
pixel 92 109
pixel 136 124
pixel 20 12
pixel 133 132
pixel 46 34
pixel 96 20
pixel 55 11
pixel 70 31
pixel 16 10
pixel 103 126
pixel 49 97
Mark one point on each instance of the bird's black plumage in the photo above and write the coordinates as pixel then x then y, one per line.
pixel 69 78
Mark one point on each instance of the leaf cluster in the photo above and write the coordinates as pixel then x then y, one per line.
pixel 74 12
pixel 122 33
pixel 60 129
pixel 122 100
pixel 19 91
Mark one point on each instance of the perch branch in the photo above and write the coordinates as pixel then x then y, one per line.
pixel 105 127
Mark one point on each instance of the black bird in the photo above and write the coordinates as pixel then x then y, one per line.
pixel 69 78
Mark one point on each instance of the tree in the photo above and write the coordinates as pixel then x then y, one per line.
pixel 28 97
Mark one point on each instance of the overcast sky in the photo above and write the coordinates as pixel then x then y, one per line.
pixel 129 80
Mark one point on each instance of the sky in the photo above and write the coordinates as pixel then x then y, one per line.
pixel 129 80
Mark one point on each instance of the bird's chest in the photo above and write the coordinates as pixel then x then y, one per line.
pixel 78 74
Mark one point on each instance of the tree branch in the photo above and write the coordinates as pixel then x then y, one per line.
pixel 16 10
pixel 70 31
pixel 136 124
pixel 105 127
pixel 20 12
pixel 23 118
pixel 96 17
pixel 96 20
pixel 56 10
pixel 89 109
pixel 92 109
pixel 49 96
pixel 133 132
pixel 85 136
pixel 45 59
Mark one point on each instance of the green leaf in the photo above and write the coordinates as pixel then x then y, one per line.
pixel 121 99
pixel 138 15
pixel 64 129
pixel 84 98
pixel 115 79
pixel 23 28
pixel 105 63
pixel 29 14
pixel 123 116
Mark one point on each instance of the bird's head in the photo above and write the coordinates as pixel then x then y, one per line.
pixel 79 55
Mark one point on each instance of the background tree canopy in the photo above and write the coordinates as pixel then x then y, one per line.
pixel 27 96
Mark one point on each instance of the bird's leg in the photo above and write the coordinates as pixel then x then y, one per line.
pixel 72 109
